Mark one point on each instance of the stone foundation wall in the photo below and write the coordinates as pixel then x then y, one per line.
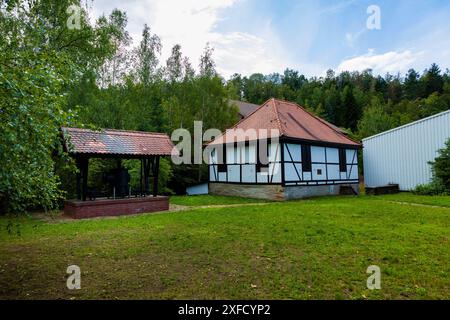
pixel 277 192
pixel 300 192
pixel 263 191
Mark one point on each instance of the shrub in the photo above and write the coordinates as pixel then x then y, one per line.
pixel 434 188
pixel 441 166
pixel 440 185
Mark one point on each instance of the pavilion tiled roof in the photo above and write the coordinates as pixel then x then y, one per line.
pixel 288 120
pixel 116 142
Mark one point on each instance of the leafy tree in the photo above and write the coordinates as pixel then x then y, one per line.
pixel 441 166
pixel 174 65
pixel 351 110
pixel 374 120
pixel 236 86
pixel 412 86
pixel 435 103
pixel 147 56
pixel 395 91
pixel 189 71
pixel 344 98
pixel 207 64
pixel 433 80
pixel 115 68
pixel 52 75
pixel 40 57
pixel 332 104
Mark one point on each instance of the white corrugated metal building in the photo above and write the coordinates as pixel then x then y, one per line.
pixel 401 155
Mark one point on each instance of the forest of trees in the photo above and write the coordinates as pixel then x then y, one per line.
pixel 52 76
pixel 360 102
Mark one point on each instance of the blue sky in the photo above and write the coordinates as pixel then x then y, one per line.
pixel 311 36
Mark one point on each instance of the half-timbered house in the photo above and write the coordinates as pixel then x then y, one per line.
pixel 282 151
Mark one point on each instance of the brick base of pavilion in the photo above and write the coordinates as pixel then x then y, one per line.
pixel 78 209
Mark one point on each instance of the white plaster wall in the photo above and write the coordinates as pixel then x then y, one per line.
pixel 332 155
pixel 317 154
pixel 295 150
pixel 212 172
pixel 248 173
pixel 290 173
pixel 333 172
pixel 233 173
pixel 315 175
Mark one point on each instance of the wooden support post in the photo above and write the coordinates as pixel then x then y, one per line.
pixel 147 175
pixel 140 178
pixel 155 176
pixel 84 172
pixel 78 174
pixel 283 179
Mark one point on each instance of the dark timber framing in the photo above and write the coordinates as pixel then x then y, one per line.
pixel 287 158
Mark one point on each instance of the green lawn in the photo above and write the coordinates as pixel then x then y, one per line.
pixel 443 201
pixel 208 200
pixel 311 249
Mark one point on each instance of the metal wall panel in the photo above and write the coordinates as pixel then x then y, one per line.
pixel 401 155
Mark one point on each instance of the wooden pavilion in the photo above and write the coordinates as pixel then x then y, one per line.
pixel 148 147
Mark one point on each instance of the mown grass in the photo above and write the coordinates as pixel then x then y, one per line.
pixel 208 200
pixel 313 249
pixel 443 201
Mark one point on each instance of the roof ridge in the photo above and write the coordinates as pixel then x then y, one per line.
pixel 318 118
pixel 127 132
pixel 251 113
pixel 272 114
pixel 277 116
pixel 118 131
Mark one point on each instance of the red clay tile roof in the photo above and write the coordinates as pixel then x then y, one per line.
pixel 116 142
pixel 291 121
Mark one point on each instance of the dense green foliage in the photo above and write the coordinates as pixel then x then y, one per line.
pixel 149 96
pixel 52 75
pixel 40 57
pixel 360 101
pixel 308 249
pixel 49 71
pixel 441 166
pixel 156 96
pixel 434 188
pixel 441 174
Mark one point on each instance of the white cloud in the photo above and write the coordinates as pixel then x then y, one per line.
pixel 352 38
pixel 392 61
pixel 336 7
pixel 246 54
pixel 192 24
